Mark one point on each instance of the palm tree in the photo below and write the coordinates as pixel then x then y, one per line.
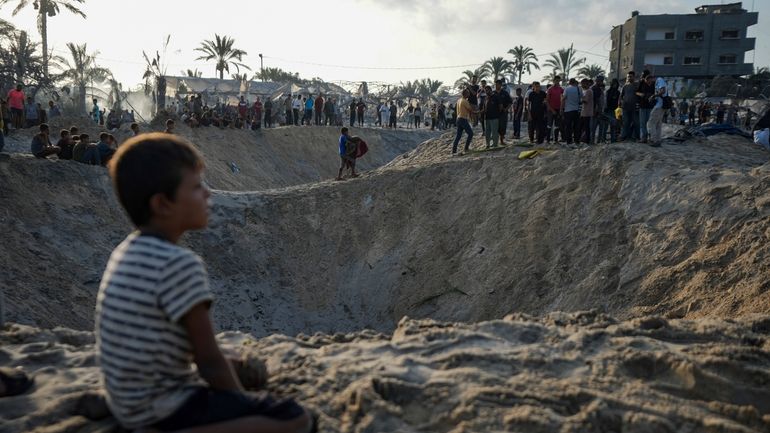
pixel 498 66
pixel 46 9
pixel 24 54
pixel 564 61
pixel 223 51
pixel 409 88
pixel 427 87
pixel 192 73
pixel 591 71
pixel 524 59
pixel 81 70
pixel 115 98
pixel 155 76
pixel 481 72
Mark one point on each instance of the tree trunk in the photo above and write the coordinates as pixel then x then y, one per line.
pixel 82 94
pixel 222 74
pixel 44 34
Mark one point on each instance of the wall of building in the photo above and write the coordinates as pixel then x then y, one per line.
pixel 644 37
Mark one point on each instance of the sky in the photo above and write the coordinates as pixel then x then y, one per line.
pixel 353 40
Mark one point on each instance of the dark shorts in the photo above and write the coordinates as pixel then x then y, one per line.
pixel 347 161
pixel 17 112
pixel 207 406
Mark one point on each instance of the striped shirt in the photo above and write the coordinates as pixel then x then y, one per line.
pixel 144 352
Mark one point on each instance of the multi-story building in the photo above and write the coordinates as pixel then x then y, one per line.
pixel 708 43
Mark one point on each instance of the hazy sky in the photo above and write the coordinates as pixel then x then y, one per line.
pixel 313 37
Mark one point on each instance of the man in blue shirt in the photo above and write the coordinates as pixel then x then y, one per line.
pixel 343 150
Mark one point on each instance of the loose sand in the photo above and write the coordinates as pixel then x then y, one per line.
pixel 625 230
pixel 581 373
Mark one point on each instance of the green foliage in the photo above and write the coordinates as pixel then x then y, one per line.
pixel 222 50
pixel 524 59
pixel 564 61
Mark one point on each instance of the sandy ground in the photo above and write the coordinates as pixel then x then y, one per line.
pixel 680 231
pixel 673 242
pixel 581 372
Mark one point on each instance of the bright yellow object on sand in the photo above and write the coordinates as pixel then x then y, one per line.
pixel 528 154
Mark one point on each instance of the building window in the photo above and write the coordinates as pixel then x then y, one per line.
pixel 728 59
pixel 627 38
pixel 668 60
pixel 694 35
pixel 691 60
pixel 670 36
pixel 730 34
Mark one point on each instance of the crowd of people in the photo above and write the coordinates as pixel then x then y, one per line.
pixel 309 109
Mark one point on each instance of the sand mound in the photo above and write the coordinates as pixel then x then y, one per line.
pixel 242 160
pixel 680 231
pixel 581 372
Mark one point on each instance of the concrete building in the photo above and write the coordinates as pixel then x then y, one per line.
pixel 710 42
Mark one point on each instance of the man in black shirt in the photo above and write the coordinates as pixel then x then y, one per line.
pixel 492 113
pixel 518 110
pixel 536 108
pixel 645 90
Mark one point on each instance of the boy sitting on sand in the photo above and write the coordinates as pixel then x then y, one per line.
pixel 152 313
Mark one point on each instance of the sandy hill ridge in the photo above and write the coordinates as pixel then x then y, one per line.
pixel 679 231
pixel 647 235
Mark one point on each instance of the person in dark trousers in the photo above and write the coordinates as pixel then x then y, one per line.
pixel 505 101
pixel 393 114
pixel 268 107
pixel 345 158
pixel 518 110
pixel 629 102
pixel 297 106
pixel 536 107
pixel 352 108
pixel 571 99
pixel 41 144
pixel 645 91
pixel 553 113
pixel 465 111
pixel 612 98
pixel 287 108
pixel 360 109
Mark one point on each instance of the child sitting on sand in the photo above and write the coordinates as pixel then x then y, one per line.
pixel 152 313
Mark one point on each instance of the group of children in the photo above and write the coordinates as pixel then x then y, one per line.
pixel 76 146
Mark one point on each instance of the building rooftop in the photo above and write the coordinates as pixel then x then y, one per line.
pixel 730 8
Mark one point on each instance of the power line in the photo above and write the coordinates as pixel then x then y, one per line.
pixel 325 65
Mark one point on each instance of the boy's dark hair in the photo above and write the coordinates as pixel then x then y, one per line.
pixel 84 137
pixel 536 83
pixel 73 129
pixel 169 122
pixel 103 136
pixel 75 138
pixel 147 165
pixel 63 133
pixel 43 127
pixel 134 125
pixel 344 131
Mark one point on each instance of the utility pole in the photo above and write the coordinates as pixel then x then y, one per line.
pixel 261 68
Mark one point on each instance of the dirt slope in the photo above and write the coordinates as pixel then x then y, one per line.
pixel 627 229
pixel 241 160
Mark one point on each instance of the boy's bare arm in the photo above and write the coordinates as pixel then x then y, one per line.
pixel 212 365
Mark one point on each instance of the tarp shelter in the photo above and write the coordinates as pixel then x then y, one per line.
pixel 215 86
